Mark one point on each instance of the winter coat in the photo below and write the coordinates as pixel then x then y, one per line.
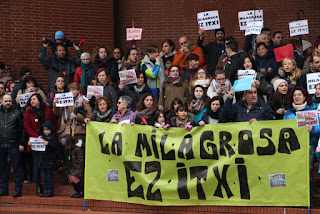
pixel 110 64
pixel 314 134
pixel 46 159
pixel 234 63
pixel 76 162
pixel 32 122
pixel 238 112
pixel 78 76
pixel 198 116
pixel 130 91
pixel 188 74
pixel 189 121
pixel 214 86
pixel 266 62
pixel 169 92
pixel 208 120
pixel 12 132
pixel 291 81
pixel 110 92
pixel 154 71
pixel 63 67
pixel 302 82
pixel 181 61
pixel 128 115
pixel 80 128
pixel 51 95
pixel 212 51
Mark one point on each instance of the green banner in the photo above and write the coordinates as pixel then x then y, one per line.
pixel 238 164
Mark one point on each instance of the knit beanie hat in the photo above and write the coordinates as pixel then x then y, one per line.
pixel 220 29
pixel 59 35
pixel 23 71
pixel 276 83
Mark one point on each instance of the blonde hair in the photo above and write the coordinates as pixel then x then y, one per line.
pixel 296 73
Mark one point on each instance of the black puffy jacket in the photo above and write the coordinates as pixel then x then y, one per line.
pixel 12 131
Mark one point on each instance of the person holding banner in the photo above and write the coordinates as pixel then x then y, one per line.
pixel 183 119
pixel 124 114
pixel 103 79
pixel 103 111
pixel 37 113
pixel 290 72
pixel 301 100
pixel 146 109
pixel 173 87
pixel 136 90
pixel 198 102
pixel 84 73
pixel 12 135
pixel 250 109
pixel 213 110
pixel 102 58
pixel 30 85
pixel 60 87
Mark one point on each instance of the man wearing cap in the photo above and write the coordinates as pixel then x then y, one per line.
pixel 314 68
pixel 64 65
pixel 213 50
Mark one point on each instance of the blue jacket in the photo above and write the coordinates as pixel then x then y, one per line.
pixel 315 133
pixel 238 112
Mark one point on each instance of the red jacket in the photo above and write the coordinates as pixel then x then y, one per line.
pixel 181 61
pixel 32 123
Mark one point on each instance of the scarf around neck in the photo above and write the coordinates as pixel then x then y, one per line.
pixel 173 80
pixel 196 106
pixel 86 68
pixel 205 83
pixel 139 90
pixel 299 107
pixel 146 113
pixel 105 115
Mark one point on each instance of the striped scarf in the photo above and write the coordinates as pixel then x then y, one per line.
pixel 196 106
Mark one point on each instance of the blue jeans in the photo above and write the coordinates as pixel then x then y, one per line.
pixel 15 158
pixel 48 179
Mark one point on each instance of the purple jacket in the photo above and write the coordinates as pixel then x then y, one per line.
pixel 129 115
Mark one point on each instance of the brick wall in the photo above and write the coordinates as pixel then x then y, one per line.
pixel 162 19
pixel 23 23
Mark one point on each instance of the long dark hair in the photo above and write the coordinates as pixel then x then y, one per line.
pixel 204 96
pixel 209 110
pixel 254 65
pixel 304 92
pixel 28 79
pixel 141 106
pixel 39 98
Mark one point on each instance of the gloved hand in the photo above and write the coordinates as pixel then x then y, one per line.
pixel 188 127
pixel 166 127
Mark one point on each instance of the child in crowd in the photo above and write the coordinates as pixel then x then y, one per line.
pixel 160 120
pixel 46 160
pixel 172 112
pixel 290 72
pixel 219 86
pixel 191 69
pixel 57 40
pixel 183 118
pixel 167 64
pixel 197 104
pixel 212 114
pixel 152 65
pixel 75 165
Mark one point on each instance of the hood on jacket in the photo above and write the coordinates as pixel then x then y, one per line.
pixel 47 124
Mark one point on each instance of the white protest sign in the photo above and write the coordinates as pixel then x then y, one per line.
pixel 93 90
pixel 307 117
pixel 208 20
pixel 254 28
pixel 134 34
pixel 37 144
pixel 312 80
pixel 298 28
pixel 23 98
pixel 64 99
pixel 123 122
pixel 249 16
pixel 246 73
pixel 128 77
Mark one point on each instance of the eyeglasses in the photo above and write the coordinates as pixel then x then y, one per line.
pixel 120 103
pixel 185 42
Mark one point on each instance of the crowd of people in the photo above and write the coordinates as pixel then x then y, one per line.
pixel 184 87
